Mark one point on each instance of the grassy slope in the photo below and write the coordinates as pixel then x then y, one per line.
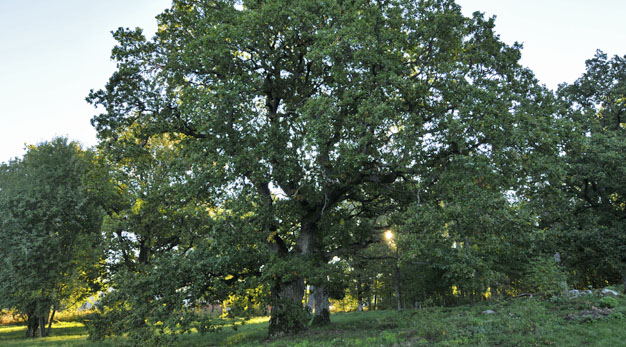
pixel 522 322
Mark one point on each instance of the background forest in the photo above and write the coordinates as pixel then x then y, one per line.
pixel 296 158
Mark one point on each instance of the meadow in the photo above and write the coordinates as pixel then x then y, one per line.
pixel 562 321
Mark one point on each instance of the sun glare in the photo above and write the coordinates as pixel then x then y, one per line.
pixel 388 235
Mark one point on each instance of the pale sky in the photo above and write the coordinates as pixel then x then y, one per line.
pixel 53 52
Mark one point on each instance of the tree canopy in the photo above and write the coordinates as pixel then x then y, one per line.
pixel 308 108
pixel 50 232
pixel 282 156
pixel 594 188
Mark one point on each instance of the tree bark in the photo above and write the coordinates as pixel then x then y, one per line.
pixel 322 306
pixel 32 325
pixel 42 327
pixel 288 315
pixel 36 325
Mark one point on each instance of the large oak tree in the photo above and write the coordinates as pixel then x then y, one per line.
pixel 303 106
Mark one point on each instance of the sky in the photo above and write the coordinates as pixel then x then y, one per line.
pixel 52 53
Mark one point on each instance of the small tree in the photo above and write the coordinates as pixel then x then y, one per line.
pixel 49 232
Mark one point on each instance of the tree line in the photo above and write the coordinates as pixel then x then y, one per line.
pixel 250 150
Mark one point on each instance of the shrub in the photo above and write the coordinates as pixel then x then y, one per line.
pixel 544 276
pixel 609 302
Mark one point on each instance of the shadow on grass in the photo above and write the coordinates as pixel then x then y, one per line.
pixel 253 332
pixel 345 328
pixel 62 334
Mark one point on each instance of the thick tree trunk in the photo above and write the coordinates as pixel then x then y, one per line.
pixel 288 315
pixel 624 280
pixel 322 306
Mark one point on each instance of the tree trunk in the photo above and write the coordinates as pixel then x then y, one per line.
pixel 50 322
pixel 32 325
pixel 624 280
pixel 359 294
pixel 397 286
pixel 375 306
pixel 42 327
pixel 36 325
pixel 322 306
pixel 288 315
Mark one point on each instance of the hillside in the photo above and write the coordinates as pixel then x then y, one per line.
pixel 591 320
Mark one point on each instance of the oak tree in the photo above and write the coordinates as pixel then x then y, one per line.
pixel 301 106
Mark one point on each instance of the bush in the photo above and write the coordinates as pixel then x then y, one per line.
pixel 609 302
pixel 545 277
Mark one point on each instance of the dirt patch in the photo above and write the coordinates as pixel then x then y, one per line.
pixel 593 313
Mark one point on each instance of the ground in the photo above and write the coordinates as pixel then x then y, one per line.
pixel 525 321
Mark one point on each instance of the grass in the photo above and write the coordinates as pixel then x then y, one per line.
pixel 516 322
pixel 63 334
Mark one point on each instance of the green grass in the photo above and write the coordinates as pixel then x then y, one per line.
pixel 517 322
pixel 63 334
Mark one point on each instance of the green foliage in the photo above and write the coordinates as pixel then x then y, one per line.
pixel 590 218
pixel 545 277
pixel 169 250
pixel 609 302
pixel 50 231
pixel 159 302
pixel 263 145
pixel 249 303
pixel 148 307
pixel 289 316
pixel 320 114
